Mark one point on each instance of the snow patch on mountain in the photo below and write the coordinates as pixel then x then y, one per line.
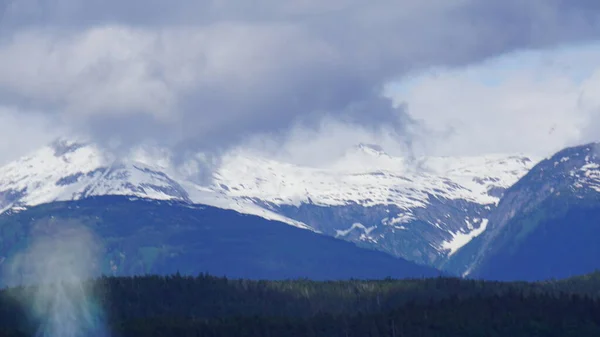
pixel 399 219
pixel 359 226
pixel 581 165
pixel 460 239
pixel 202 195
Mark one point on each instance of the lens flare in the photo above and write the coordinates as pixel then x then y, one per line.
pixel 58 265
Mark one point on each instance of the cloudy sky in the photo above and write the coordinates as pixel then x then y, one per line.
pixel 303 78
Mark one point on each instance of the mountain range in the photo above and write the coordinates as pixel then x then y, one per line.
pixel 463 215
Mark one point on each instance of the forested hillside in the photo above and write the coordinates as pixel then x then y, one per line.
pixel 210 306
pixel 141 236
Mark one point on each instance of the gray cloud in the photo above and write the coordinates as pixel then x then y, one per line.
pixel 210 73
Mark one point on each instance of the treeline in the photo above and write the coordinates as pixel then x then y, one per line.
pixel 212 306
pixel 510 315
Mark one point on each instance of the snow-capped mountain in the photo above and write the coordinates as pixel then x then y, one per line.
pixel 371 177
pixel 546 225
pixel 68 170
pixel 423 210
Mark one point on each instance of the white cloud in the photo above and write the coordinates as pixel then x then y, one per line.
pixel 533 102
pixel 213 77
pixel 103 70
pixel 324 143
pixel 24 132
pixel 207 74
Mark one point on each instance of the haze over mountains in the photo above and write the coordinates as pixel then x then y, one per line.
pixel 455 214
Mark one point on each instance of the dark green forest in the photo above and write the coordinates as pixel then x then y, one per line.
pixel 212 306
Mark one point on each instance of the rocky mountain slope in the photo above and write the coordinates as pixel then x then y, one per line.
pixel 422 210
pixel 546 225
